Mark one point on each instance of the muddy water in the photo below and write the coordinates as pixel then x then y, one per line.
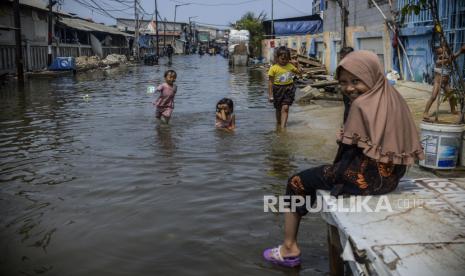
pixel 91 184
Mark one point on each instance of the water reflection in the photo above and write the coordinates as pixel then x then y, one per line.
pixel 281 159
pixel 164 138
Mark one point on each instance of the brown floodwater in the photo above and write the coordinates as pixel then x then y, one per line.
pixel 91 184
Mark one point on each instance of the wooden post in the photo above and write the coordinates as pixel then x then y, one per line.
pixel 156 27
pixel 164 34
pixel 136 32
pixel 50 32
pixel 336 264
pixel 28 56
pixel 272 19
pixel 57 47
pixel 19 50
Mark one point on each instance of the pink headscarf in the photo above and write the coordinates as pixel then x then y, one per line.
pixel 379 120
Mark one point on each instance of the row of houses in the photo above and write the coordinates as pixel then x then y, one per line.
pixel 180 35
pixel 74 36
pixel 366 29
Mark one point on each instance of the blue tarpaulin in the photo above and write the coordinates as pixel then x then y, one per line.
pixel 62 64
pixel 312 48
pixel 298 27
pixel 145 41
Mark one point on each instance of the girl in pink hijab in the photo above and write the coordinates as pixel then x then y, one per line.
pixel 378 141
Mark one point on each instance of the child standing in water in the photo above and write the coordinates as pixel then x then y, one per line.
pixel 281 89
pixel 225 118
pixel 165 102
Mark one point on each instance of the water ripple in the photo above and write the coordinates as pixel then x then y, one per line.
pixel 91 183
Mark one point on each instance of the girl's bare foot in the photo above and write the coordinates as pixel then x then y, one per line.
pixel 426 117
pixel 290 251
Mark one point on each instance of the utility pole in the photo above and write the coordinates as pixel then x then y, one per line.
pixel 192 32
pixel 344 20
pixel 136 32
pixel 19 52
pixel 190 35
pixel 164 34
pixel 156 24
pixel 174 25
pixel 50 32
pixel 272 18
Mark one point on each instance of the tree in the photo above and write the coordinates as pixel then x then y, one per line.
pixel 254 24
pixel 415 7
pixel 344 20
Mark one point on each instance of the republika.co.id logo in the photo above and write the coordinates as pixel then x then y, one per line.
pixel 327 203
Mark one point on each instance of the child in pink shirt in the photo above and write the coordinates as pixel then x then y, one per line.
pixel 165 102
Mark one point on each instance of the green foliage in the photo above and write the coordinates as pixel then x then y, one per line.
pixel 254 24
pixel 415 7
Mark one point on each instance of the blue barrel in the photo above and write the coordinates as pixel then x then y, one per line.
pixel 63 64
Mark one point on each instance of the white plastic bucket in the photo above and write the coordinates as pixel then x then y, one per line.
pixel 441 145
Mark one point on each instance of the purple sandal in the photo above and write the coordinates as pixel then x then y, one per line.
pixel 273 255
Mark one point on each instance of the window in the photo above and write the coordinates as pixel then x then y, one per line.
pixel 379 2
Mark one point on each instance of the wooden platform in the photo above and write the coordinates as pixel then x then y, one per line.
pixel 423 234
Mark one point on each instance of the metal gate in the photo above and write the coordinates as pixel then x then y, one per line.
pixel 374 44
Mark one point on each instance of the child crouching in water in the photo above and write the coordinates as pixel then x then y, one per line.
pixel 225 118
pixel 281 89
pixel 165 102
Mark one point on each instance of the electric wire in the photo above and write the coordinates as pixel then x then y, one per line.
pixel 219 4
pixel 292 7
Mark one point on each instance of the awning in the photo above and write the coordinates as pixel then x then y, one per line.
pixel 298 27
pixel 83 25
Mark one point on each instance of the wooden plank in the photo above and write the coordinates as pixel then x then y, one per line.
pixel 311 69
pixel 320 77
pixel 308 62
pixel 310 58
pixel 316 72
pixel 323 83
pixel 336 264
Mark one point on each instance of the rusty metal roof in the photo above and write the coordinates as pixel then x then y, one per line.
pixel 84 25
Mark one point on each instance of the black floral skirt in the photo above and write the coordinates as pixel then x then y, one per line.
pixel 354 174
pixel 283 95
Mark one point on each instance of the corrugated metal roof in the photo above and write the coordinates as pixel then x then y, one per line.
pixel 7 28
pixel 75 23
pixel 41 5
pixel 88 26
pixel 34 3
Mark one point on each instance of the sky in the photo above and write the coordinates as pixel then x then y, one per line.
pixel 216 12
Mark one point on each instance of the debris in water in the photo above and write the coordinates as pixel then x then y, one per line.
pixel 150 89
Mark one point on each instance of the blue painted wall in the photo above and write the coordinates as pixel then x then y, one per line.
pixel 417 36
pixel 417 43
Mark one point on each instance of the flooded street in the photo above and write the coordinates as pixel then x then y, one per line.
pixel 91 184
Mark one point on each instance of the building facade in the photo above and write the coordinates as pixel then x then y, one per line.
pixel 367 30
pixel 416 32
pixel 298 33
pixel 71 36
